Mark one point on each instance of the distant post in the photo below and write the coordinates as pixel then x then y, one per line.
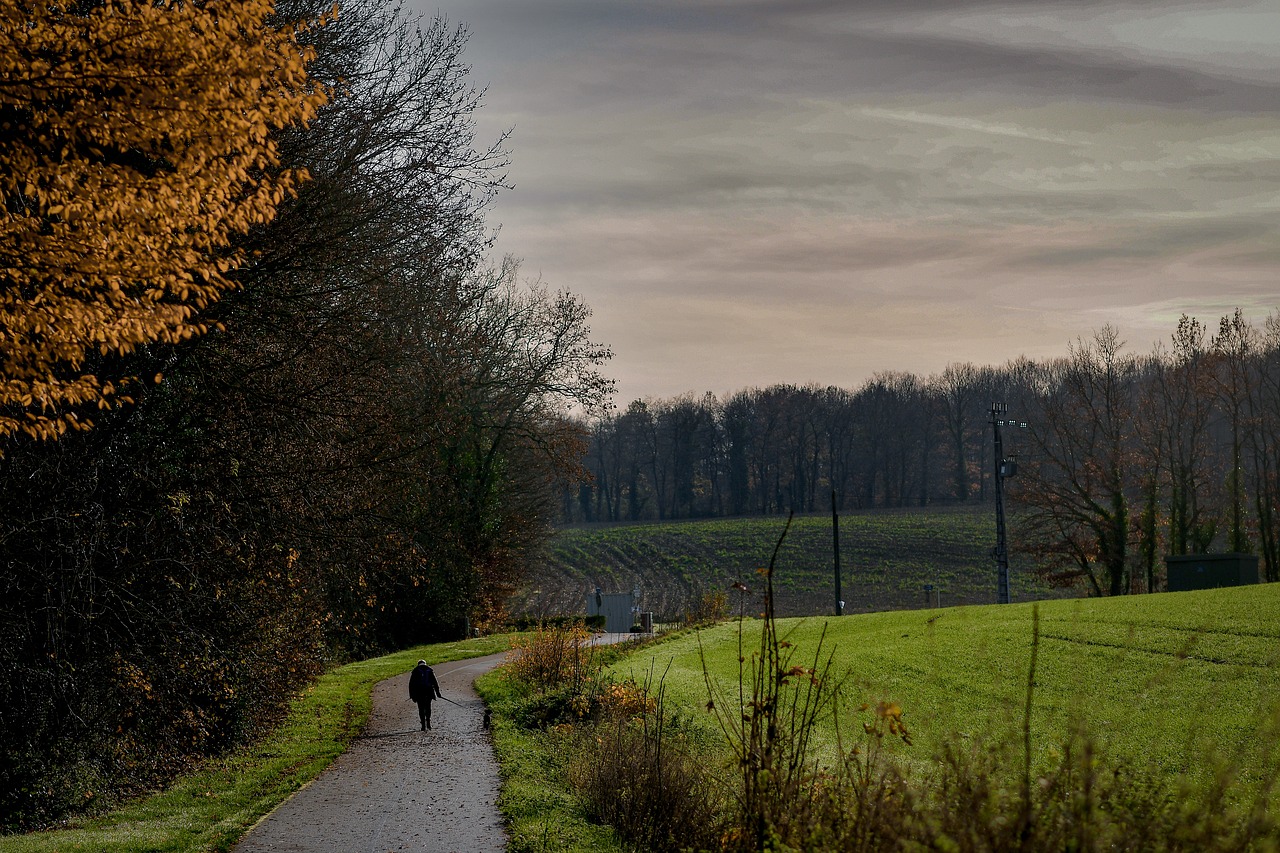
pixel 1004 468
pixel 835 548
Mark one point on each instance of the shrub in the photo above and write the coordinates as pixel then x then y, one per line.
pixel 641 777
pixel 530 623
pixel 707 609
pixel 553 658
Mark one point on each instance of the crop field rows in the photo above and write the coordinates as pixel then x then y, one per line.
pixel 887 558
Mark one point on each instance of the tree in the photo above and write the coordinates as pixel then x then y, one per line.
pixel 1077 486
pixel 897 437
pixel 633 431
pixel 1234 347
pixel 688 442
pixel 137 144
pixel 841 439
pixel 173 575
pixel 1264 441
pixel 959 395
pixel 738 419
pixel 1175 429
pixel 509 360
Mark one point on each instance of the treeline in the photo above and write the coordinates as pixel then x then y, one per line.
pixel 1125 458
pixel 356 454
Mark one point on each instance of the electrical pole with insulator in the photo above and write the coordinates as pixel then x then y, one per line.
pixel 1005 468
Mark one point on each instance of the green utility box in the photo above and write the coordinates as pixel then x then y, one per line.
pixel 1209 571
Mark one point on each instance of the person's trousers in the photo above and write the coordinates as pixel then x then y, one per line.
pixel 424 714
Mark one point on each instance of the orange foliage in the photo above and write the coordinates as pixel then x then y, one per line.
pixel 135 145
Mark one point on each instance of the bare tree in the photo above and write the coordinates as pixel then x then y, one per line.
pixel 1264 444
pixel 1234 347
pixel 960 395
pixel 1077 488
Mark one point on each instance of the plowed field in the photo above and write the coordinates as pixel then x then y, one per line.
pixel 887 559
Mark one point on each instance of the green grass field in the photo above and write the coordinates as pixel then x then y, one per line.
pixel 887 558
pixel 1170 682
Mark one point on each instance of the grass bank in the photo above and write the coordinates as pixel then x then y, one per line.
pixel 210 809
pixel 1176 684
pixel 1152 725
pixel 541 810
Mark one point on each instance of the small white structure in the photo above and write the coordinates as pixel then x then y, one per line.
pixel 618 610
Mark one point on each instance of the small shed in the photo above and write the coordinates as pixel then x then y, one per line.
pixel 1210 571
pixel 617 608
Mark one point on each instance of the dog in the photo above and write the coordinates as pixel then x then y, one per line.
pixel 487 719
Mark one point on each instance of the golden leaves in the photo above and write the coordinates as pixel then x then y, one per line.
pixel 138 139
pixel 888 720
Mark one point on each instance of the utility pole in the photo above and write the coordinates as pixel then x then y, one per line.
pixel 835 548
pixel 1005 468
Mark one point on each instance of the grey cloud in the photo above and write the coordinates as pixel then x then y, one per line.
pixel 642 52
pixel 899 63
pixel 712 179
pixel 1263 257
pixel 1254 173
pixel 1235 237
pixel 842 255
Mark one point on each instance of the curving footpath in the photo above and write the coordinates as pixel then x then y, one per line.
pixel 398 788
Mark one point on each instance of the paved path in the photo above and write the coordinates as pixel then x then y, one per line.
pixel 401 789
pixel 398 788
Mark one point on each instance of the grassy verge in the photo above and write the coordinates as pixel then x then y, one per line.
pixel 1175 684
pixel 211 808
pixel 541 811
pixel 1147 722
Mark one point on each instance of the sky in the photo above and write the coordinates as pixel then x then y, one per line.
pixel 751 192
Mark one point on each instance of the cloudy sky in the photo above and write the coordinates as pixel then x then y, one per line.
pixel 758 191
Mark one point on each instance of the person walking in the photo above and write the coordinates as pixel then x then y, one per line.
pixel 423 687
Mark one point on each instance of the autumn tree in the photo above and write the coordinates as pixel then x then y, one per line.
pixel 171 576
pixel 137 144
pixel 336 385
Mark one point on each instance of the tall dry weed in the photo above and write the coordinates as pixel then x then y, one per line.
pixel 553 658
pixel 639 774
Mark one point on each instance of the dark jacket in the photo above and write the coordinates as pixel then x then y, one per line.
pixel 423 686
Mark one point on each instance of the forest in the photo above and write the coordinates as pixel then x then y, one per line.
pixel 1121 458
pixel 264 402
